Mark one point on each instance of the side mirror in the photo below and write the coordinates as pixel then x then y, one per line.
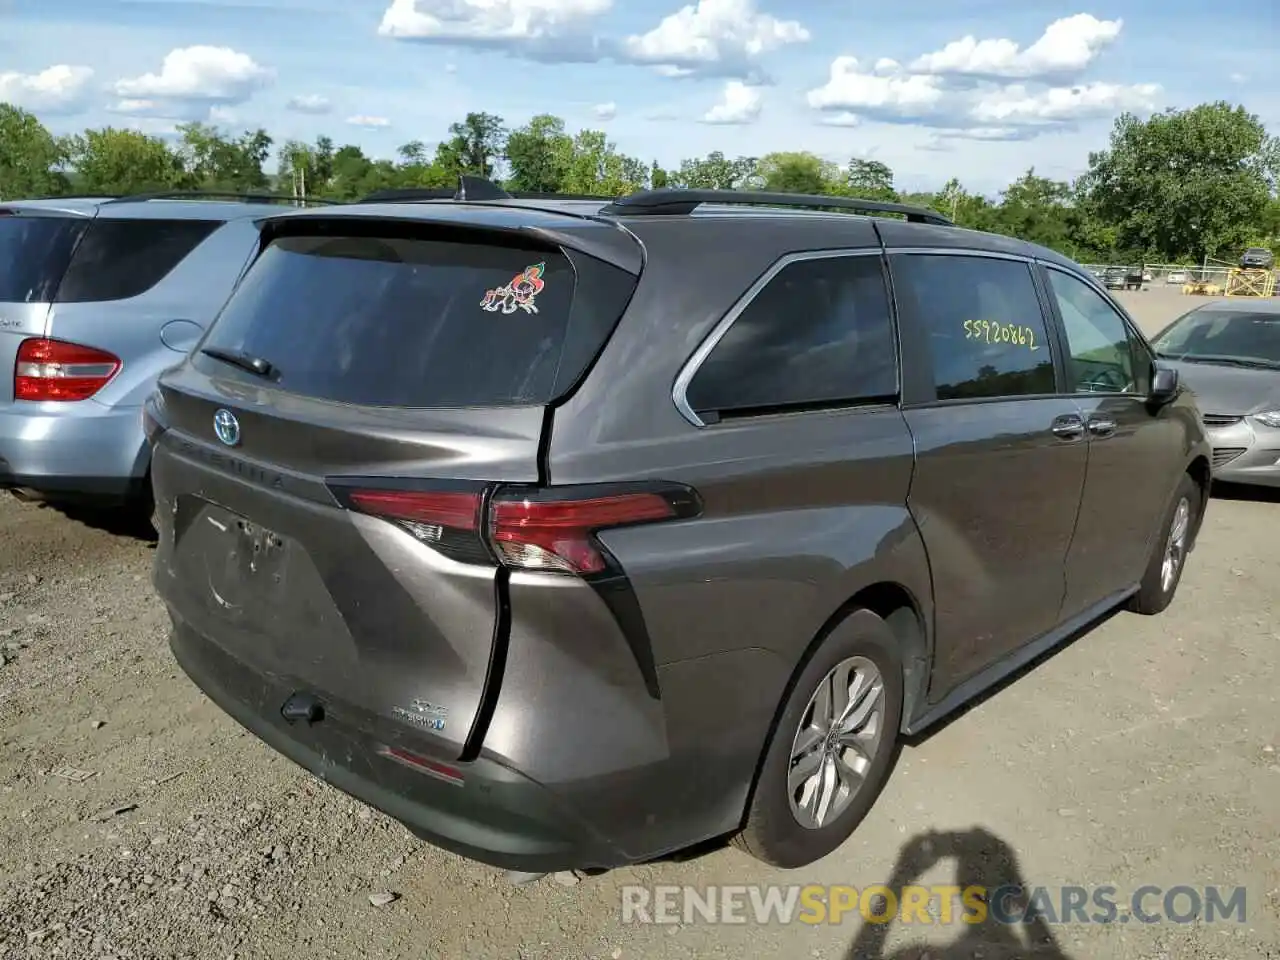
pixel 1164 385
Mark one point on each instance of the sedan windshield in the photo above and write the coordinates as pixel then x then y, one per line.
pixel 1242 338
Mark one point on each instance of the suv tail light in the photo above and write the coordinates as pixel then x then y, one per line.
pixel 552 530
pixel 56 370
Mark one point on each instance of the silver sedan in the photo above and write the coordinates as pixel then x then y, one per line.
pixel 1228 353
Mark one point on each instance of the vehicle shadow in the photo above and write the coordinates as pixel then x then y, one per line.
pixel 982 860
pixel 1244 492
pixel 117 521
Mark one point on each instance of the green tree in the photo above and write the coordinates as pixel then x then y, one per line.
pixel 594 166
pixel 1185 183
pixel 870 180
pixel 30 156
pixel 536 154
pixel 714 172
pixel 800 172
pixel 218 161
pixel 476 144
pixel 115 161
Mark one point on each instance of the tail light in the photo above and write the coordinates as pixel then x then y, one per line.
pixel 56 370
pixel 550 530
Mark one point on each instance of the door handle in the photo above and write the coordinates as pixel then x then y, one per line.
pixel 1069 426
pixel 1102 426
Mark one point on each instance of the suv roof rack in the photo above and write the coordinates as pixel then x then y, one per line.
pixel 472 188
pixel 678 202
pixel 221 195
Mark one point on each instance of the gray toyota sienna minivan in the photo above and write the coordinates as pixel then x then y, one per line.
pixel 572 533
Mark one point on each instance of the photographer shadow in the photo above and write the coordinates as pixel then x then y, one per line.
pixel 982 860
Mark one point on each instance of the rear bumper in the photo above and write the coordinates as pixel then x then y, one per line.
pixel 495 815
pixel 89 452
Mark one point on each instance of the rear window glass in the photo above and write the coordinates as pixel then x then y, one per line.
pixel 409 322
pixel 34 252
pixel 119 259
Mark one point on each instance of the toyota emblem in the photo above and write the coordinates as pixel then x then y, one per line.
pixel 227 427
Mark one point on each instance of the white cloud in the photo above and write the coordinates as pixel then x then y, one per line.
pixel 717 37
pixel 738 104
pixel 1238 78
pixel 362 120
pixel 133 106
pixel 222 116
pixel 849 89
pixel 1018 106
pixel 59 89
pixel 1067 46
pixel 844 119
pixel 310 103
pixel 554 30
pixel 886 65
pixel 200 73
pixel 605 111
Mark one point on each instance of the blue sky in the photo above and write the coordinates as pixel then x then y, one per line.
pixel 978 89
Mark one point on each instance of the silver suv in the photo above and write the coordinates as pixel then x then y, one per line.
pixel 97 296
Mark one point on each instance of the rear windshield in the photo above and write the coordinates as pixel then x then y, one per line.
pixel 34 253
pixel 408 322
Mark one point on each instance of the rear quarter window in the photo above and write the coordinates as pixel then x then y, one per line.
pixel 405 322
pixel 34 253
pixel 820 334
pixel 119 259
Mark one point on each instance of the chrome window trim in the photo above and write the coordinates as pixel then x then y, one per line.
pixel 960 252
pixel 691 366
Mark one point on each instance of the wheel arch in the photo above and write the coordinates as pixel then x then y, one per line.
pixel 901 611
pixel 1200 471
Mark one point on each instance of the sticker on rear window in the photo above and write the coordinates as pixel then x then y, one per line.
pixel 519 294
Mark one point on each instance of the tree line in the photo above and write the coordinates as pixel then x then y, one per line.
pixel 1176 187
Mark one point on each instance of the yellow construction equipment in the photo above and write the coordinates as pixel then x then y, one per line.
pixel 1244 282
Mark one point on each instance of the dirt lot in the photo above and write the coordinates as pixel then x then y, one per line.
pixel 1144 753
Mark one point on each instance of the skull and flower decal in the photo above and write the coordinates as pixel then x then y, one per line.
pixel 520 294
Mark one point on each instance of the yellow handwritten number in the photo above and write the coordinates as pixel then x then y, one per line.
pixel 1009 333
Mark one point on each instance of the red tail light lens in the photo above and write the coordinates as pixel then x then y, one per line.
pixel 539 530
pixel 559 534
pixel 447 521
pixel 56 370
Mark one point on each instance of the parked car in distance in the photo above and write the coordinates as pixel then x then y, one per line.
pixel 572 533
pixel 1134 278
pixel 1115 278
pixel 1228 353
pixel 1177 276
pixel 1257 258
pixel 97 296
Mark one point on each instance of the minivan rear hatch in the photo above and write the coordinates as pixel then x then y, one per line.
pixel 323 457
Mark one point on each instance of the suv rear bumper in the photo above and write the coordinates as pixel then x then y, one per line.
pixel 92 452
pixel 495 816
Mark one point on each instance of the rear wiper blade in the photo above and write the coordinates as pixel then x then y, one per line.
pixel 245 361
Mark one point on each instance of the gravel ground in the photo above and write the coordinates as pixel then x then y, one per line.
pixel 1145 752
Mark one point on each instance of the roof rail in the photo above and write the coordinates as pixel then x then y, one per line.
pixel 221 195
pixel 409 194
pixel 394 194
pixel 70 196
pixel 676 202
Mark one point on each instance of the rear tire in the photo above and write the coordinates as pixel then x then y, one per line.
pixel 1169 553
pixel 809 757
